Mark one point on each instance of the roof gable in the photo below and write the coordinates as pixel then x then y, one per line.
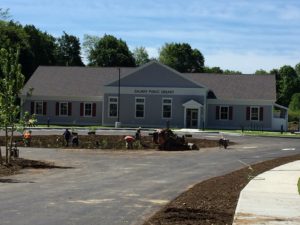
pixel 192 104
pixel 155 74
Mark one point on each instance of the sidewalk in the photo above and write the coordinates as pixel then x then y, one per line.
pixel 271 198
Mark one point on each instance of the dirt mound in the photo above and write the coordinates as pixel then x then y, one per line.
pixel 16 165
pixel 101 142
pixel 212 201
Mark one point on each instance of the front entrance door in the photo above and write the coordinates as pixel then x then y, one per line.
pixel 192 118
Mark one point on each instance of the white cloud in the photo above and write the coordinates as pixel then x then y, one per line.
pixel 249 62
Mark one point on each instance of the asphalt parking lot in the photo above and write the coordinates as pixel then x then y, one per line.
pixel 107 187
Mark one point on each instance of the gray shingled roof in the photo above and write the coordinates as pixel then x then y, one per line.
pixel 72 81
pixel 89 82
pixel 247 87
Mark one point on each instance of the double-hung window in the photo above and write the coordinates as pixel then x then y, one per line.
pixel 112 106
pixel 63 108
pixel 139 107
pixel 166 108
pixel 224 112
pixel 87 109
pixel 254 113
pixel 39 108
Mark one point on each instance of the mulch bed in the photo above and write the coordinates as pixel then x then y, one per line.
pixel 16 165
pixel 102 142
pixel 212 201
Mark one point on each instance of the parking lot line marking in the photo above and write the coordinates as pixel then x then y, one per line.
pixel 92 201
pixel 288 149
pixel 249 147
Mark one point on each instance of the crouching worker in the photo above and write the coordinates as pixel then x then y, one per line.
pixel 138 134
pixel 129 142
pixel 75 141
pixel 67 137
pixel 27 138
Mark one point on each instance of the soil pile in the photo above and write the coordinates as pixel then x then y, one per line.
pixel 101 142
pixel 212 201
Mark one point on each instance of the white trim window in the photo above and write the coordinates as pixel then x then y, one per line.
pixel 38 107
pixel 254 113
pixel 224 112
pixel 87 109
pixel 113 107
pixel 139 107
pixel 167 108
pixel 63 109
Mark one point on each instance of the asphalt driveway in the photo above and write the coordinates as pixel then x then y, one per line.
pixel 120 187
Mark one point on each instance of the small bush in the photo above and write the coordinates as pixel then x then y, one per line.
pixel 294 115
pixel 103 144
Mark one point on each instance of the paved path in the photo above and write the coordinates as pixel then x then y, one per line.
pixel 111 188
pixel 272 198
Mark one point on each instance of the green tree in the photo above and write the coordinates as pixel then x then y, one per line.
pixel 141 56
pixel 277 77
pixel 295 102
pixel 288 84
pixel 68 53
pixel 181 57
pixel 261 72
pixel 11 83
pixel 232 72
pixel 36 47
pixel 297 69
pixel 42 50
pixel 13 36
pixel 109 51
pixel 215 69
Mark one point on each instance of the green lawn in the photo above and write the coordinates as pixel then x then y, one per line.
pixel 246 132
pixel 261 133
pixel 69 126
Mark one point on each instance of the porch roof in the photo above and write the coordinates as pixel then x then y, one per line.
pixel 192 104
pixel 281 106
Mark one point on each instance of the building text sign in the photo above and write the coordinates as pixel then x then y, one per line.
pixel 154 91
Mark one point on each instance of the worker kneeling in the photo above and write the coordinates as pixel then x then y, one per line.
pixel 129 141
pixel 27 138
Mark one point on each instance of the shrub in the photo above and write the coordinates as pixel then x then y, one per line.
pixel 294 115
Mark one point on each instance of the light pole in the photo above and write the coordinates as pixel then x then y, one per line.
pixel 119 94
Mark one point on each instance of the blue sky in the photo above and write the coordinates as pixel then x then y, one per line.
pixel 243 35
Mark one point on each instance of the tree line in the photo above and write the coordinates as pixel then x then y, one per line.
pixel 41 48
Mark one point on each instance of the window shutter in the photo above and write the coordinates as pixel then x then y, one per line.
pixel 248 113
pixel 32 108
pixel 44 108
pixel 261 113
pixel 57 108
pixel 230 112
pixel 94 110
pixel 217 112
pixel 81 109
pixel 69 108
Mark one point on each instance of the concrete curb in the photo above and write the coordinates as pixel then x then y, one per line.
pixel 271 198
